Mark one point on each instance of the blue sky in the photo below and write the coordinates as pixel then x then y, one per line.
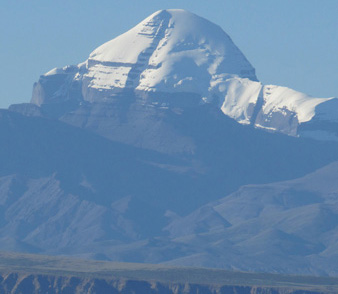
pixel 292 43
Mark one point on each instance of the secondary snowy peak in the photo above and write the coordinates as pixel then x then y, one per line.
pixel 276 108
pixel 170 51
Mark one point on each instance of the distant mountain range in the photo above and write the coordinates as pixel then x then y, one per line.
pixel 163 147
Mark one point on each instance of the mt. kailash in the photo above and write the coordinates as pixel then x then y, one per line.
pixel 163 147
pixel 174 51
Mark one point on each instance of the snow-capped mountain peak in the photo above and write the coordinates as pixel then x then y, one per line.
pixel 175 52
pixel 170 51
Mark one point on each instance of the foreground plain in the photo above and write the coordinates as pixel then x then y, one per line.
pixel 26 273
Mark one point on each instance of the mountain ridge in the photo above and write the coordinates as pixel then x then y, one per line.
pixel 81 194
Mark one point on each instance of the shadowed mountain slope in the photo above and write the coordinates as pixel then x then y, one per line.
pixel 64 190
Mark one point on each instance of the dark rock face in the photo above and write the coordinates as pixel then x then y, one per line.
pixel 11 283
pixel 58 88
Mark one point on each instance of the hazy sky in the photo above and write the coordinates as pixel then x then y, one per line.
pixel 292 43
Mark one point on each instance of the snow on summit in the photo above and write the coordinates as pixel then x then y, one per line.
pixel 175 51
pixel 171 50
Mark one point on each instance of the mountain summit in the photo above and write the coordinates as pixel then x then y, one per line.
pixel 170 51
pixel 176 58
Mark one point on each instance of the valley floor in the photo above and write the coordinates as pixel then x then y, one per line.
pixel 26 273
